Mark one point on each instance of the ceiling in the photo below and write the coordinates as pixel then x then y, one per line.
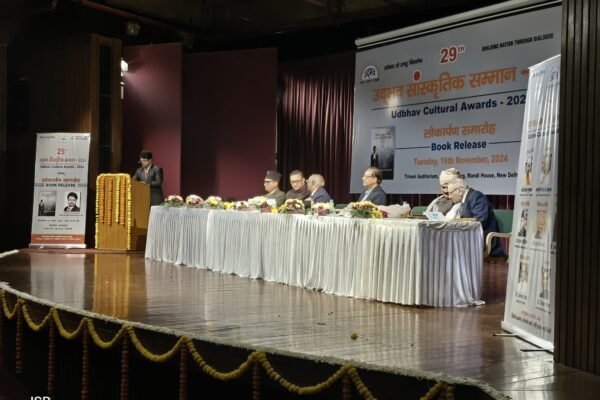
pixel 329 25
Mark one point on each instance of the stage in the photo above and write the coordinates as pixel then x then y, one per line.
pixel 308 324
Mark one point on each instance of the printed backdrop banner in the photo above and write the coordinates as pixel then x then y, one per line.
pixel 449 99
pixel 60 190
pixel 529 310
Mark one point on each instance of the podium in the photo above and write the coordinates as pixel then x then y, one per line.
pixel 122 212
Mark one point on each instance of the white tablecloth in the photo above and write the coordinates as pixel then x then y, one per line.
pixel 417 262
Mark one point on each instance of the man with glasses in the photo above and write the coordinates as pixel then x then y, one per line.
pixel 299 189
pixel 374 193
pixel 272 187
pixel 471 203
pixel 152 175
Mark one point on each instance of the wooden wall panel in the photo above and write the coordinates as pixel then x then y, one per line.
pixel 578 255
pixel 3 170
pixel 61 80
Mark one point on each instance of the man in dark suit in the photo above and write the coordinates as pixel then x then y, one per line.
pixel 72 201
pixel 318 194
pixel 374 193
pixel 151 175
pixel 472 203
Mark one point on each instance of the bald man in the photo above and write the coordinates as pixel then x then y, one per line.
pixel 318 194
pixel 443 203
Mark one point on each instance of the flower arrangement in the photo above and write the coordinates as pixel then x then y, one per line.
pixel 242 206
pixel 322 209
pixel 213 202
pixel 292 206
pixel 262 203
pixel 174 200
pixel 194 201
pixel 228 205
pixel 364 209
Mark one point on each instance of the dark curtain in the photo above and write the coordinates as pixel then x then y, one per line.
pixel 314 127
pixel 314 130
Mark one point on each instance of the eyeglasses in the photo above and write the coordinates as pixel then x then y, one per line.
pixel 368 176
pixel 296 181
pixel 267 182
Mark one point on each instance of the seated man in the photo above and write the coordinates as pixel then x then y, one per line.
pixel 471 203
pixel 444 203
pixel 272 187
pixel 318 194
pixel 374 193
pixel 299 189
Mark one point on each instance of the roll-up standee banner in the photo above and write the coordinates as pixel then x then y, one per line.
pixel 529 309
pixel 60 190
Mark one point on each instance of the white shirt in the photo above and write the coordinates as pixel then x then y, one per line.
pixel 457 209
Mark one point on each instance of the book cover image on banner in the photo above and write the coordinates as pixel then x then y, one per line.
pixel 60 190
pixel 382 156
pixel 451 98
pixel 529 307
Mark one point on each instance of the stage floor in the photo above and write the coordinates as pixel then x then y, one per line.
pixel 258 314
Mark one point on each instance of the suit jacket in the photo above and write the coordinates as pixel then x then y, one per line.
pixel 154 179
pixel 321 196
pixel 278 195
pixel 377 196
pixel 476 205
pixel 74 209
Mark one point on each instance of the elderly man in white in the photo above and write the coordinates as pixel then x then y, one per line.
pixel 444 203
pixel 471 203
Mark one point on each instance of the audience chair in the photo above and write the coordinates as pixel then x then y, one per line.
pixel 505 219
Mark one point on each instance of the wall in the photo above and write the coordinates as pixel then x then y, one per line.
pixel 152 109
pixel 229 123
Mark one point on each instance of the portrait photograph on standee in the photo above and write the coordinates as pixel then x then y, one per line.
pixel 72 202
pixel 544 289
pixel 523 280
pixel 546 168
pixel 47 203
pixel 540 224
pixel 528 173
pixel 522 232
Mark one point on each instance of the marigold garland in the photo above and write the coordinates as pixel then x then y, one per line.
pixel 34 327
pixel 128 213
pixel 100 196
pixel 109 202
pixel 85 363
pixel 117 197
pixel 124 387
pixel 19 342
pixel 183 362
pixel 346 389
pixel 51 356
pixel 257 360
pixel 125 185
pixel 256 381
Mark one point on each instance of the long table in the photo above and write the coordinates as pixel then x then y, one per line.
pixel 405 261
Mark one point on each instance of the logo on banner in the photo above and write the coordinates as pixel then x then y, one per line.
pixel 369 74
